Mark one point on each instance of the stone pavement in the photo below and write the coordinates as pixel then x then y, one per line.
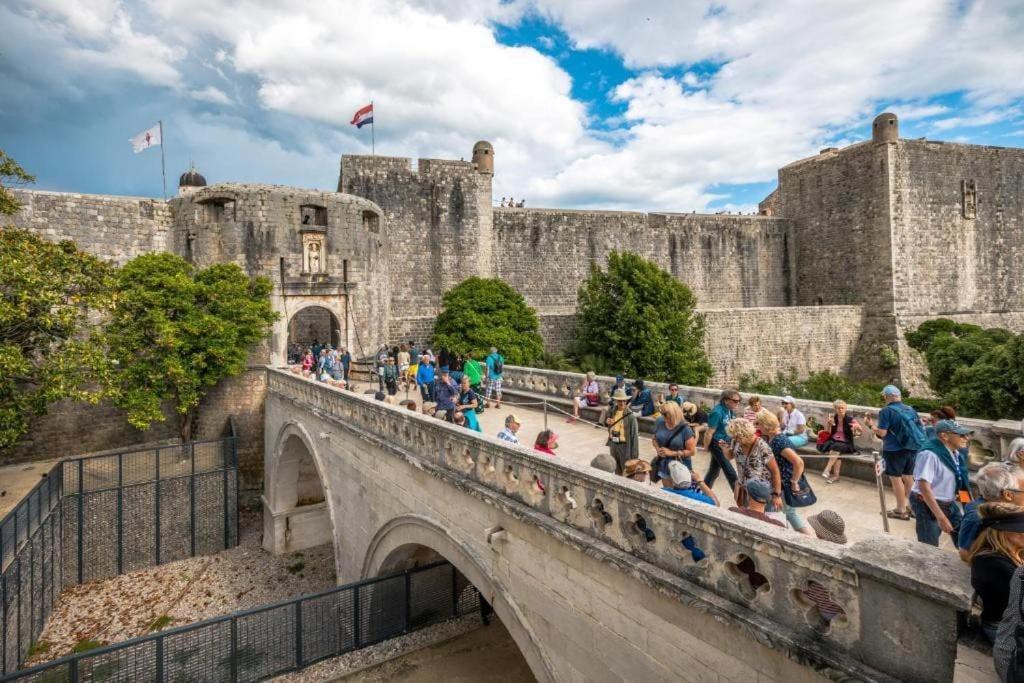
pixel 17 480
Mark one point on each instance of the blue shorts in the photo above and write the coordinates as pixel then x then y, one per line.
pixel 899 463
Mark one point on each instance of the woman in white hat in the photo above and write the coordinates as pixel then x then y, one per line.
pixel 623 431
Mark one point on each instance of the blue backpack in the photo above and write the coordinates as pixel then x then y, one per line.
pixel 910 433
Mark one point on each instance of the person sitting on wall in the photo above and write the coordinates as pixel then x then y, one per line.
pixel 643 400
pixel 588 396
pixel 468 401
pixel 682 481
pixel 546 442
pixel 752 409
pixel 673 397
pixel 793 422
pixel 842 430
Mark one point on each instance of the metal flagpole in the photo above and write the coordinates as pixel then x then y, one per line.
pixel 163 168
pixel 373 144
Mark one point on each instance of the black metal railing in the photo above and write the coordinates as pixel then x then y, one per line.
pixel 99 516
pixel 273 639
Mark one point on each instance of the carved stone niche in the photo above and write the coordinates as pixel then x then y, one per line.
pixel 969 197
pixel 314 253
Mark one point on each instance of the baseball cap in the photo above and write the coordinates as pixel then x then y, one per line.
pixel 759 490
pixel 679 472
pixel 951 426
pixel 788 399
pixel 891 390
pixel 619 379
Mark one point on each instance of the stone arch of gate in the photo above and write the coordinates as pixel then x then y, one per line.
pixel 396 546
pixel 298 496
pixel 334 308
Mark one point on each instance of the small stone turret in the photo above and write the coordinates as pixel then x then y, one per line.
pixel 190 181
pixel 483 157
pixel 885 128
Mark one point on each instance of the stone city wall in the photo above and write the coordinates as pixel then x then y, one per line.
pixel 557 549
pixel 114 228
pixel 726 260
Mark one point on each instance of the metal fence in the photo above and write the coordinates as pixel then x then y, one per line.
pixel 98 516
pixel 268 641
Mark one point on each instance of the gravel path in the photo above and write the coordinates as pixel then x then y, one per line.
pixel 182 592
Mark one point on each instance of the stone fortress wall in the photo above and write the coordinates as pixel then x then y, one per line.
pixel 854 247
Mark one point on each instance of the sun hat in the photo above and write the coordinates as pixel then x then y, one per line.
pixel 952 426
pixel 603 461
pixel 828 526
pixel 620 395
pixel 758 490
pixel 891 390
pixel 788 399
pixel 679 473
pixel 635 466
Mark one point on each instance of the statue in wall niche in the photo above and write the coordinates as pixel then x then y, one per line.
pixel 969 190
pixel 314 257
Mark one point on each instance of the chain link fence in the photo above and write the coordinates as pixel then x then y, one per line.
pixel 271 640
pixel 98 516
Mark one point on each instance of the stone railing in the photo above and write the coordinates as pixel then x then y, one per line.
pixel 895 602
pixel 990 440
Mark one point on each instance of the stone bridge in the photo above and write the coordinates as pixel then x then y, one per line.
pixel 560 553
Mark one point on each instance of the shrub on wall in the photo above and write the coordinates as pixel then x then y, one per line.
pixel 479 313
pixel 978 370
pixel 175 331
pixel 48 293
pixel 638 319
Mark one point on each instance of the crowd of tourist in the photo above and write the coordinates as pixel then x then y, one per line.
pixel 760 453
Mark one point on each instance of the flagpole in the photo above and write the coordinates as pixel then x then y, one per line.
pixel 373 154
pixel 163 167
pixel 373 144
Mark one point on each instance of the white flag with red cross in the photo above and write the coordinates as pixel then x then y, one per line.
pixel 146 139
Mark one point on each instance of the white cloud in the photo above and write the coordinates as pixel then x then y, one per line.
pixel 210 94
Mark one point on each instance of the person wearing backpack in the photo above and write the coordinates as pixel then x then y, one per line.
pixel 939 484
pixel 495 366
pixel 902 434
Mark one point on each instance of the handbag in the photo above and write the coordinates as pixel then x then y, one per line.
pixel 800 499
pixel 823 436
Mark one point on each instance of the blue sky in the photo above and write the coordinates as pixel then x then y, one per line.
pixel 681 106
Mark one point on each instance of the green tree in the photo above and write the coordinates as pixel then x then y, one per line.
pixel 176 331
pixel 479 313
pixel 992 386
pixel 949 346
pixel 11 173
pixel 641 320
pixel 48 293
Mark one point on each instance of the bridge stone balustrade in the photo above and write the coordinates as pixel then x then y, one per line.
pixel 562 554
pixel 991 438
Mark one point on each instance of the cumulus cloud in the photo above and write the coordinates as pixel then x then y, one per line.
pixel 210 94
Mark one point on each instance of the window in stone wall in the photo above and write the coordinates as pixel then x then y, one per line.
pixel 371 221
pixel 310 214
pixel 217 210
pixel 969 197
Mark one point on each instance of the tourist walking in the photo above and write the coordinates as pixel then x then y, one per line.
pixel 623 431
pixel 842 430
pixel 403 362
pixel 899 427
pixel 793 422
pixel 997 482
pixel 588 396
pixel 620 383
pixel 673 440
pixel 796 492
pixel 994 557
pixel 495 367
pixel 715 436
pixel 346 364
pixel 754 460
pixel 391 376
pixel 512 425
pixel 939 484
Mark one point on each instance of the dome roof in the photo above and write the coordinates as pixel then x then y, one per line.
pixel 192 178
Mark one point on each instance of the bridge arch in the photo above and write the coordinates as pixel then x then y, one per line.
pixel 297 502
pixel 398 542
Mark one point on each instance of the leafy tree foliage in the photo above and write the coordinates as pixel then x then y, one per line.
pixel 175 331
pixel 11 173
pixel 479 313
pixel 641 321
pixel 48 292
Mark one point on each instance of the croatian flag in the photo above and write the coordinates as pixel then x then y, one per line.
pixel 363 116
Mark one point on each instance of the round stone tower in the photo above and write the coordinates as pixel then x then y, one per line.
pixel 885 128
pixel 190 181
pixel 483 157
